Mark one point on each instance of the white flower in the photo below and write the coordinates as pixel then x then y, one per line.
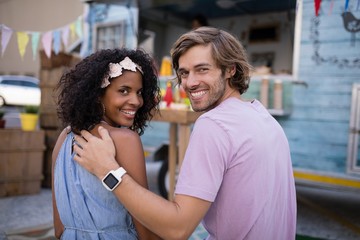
pixel 128 64
pixel 105 82
pixel 115 70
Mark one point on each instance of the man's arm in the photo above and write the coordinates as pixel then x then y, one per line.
pixel 170 220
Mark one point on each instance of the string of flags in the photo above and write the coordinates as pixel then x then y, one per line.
pixel 317 4
pixel 50 40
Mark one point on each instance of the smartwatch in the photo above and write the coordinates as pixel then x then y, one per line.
pixel 113 178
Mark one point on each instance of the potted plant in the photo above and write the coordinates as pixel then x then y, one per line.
pixel 2 120
pixel 29 117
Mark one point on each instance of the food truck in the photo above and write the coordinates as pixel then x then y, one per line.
pixel 306 58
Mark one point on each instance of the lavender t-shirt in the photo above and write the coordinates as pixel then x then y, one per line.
pixel 238 158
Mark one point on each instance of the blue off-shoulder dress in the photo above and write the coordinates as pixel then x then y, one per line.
pixel 86 208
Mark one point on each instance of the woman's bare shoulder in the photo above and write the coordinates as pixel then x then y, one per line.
pixel 123 134
pixel 129 150
pixel 124 139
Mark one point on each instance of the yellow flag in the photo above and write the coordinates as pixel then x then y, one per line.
pixel 23 39
pixel 72 30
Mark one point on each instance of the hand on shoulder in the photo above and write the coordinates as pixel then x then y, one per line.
pixel 95 154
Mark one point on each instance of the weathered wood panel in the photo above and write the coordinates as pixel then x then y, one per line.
pixel 318 127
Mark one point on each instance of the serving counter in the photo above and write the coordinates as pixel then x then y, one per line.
pixel 179 133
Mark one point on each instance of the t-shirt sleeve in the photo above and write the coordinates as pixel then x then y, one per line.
pixel 205 161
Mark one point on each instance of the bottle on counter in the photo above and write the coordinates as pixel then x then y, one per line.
pixel 278 94
pixel 168 97
pixel 264 91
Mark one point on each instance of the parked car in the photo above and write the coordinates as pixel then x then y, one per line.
pixel 19 90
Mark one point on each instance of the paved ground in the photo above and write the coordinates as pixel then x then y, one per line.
pixel 328 214
pixel 29 217
pixel 322 214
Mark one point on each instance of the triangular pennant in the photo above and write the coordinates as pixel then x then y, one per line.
pixel 78 27
pixel 317 7
pixel 46 42
pixel 23 40
pixel 83 49
pixel 6 33
pixel 57 41
pixel 331 7
pixel 346 5
pixel 65 35
pixel 35 37
pixel 72 30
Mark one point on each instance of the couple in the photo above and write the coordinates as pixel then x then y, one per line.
pixel 236 175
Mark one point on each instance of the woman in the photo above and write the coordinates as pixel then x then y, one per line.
pixel 116 89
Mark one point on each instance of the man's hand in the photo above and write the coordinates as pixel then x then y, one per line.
pixel 97 155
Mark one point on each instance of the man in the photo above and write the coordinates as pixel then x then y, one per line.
pixel 236 174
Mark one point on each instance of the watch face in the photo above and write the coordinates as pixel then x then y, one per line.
pixel 110 181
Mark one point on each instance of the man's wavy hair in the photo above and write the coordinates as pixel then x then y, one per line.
pixel 79 90
pixel 227 51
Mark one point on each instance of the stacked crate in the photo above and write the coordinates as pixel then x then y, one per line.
pixel 50 73
pixel 21 161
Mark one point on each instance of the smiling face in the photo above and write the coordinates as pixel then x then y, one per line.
pixel 122 99
pixel 203 80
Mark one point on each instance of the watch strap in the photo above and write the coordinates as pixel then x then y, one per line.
pixel 118 173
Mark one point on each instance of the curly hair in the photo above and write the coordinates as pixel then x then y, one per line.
pixel 227 51
pixel 79 90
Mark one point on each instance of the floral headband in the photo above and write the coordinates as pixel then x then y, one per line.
pixel 116 70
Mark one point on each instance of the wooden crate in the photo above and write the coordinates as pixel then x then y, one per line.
pixel 49 120
pixel 21 161
pixel 48 97
pixel 51 77
pixel 55 60
pixel 48 115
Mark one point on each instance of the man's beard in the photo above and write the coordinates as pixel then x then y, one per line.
pixel 215 95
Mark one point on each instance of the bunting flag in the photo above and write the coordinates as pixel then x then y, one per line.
pixel 78 28
pixel 57 41
pixel 65 35
pixel 5 37
pixel 331 7
pixel 346 5
pixel 317 7
pixel 46 41
pixel 72 30
pixel 23 40
pixel 35 43
pixel 53 37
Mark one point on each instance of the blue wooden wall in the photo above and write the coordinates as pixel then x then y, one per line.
pixel 318 126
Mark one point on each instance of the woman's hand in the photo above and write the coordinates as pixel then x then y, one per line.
pixel 97 155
